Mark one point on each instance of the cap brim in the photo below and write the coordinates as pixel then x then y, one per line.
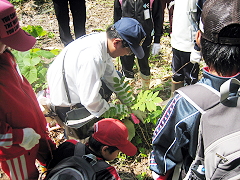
pixel 129 149
pixel 21 41
pixel 138 51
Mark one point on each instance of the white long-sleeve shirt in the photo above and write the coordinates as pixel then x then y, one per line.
pixel 184 26
pixel 86 63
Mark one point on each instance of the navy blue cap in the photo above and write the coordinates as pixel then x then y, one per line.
pixel 132 32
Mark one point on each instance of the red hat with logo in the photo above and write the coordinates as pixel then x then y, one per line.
pixel 10 32
pixel 113 132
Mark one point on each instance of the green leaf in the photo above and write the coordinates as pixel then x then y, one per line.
pixel 116 80
pixel 121 93
pixel 46 54
pixel 128 88
pixel 151 106
pixel 145 94
pixel 125 101
pixel 155 95
pixel 55 51
pixel 130 127
pixel 125 84
pixel 30 72
pixel 31 60
pixel 122 80
pixel 116 85
pixel 39 31
pixel 35 50
pixel 150 94
pixel 142 107
pixel 42 73
pixel 157 100
pixel 119 89
pixel 51 34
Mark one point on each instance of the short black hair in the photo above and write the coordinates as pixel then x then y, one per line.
pixel 112 33
pixel 224 59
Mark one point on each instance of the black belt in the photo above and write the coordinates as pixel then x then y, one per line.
pixel 60 108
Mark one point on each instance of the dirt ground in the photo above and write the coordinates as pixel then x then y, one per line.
pixel 99 16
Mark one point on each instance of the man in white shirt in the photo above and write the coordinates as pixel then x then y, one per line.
pixel 89 67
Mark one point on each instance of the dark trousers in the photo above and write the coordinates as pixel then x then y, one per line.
pixel 128 62
pixel 78 10
pixel 181 71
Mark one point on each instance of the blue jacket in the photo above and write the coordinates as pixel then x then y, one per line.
pixel 175 136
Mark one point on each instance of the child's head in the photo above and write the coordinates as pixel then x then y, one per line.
pixel 10 32
pixel 109 137
pixel 220 36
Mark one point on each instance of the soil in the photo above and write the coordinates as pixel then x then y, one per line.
pixel 99 16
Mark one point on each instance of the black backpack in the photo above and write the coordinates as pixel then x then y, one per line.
pixel 218 151
pixel 81 166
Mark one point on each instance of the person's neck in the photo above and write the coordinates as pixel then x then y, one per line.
pixel 212 71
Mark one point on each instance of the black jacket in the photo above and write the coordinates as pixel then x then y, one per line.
pixel 136 9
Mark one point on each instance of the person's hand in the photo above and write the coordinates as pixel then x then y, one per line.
pixel 155 48
pixel 195 56
pixel 30 138
pixel 140 114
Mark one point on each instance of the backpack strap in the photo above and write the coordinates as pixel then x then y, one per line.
pixel 79 149
pixel 208 97
pixel 230 86
pixel 97 165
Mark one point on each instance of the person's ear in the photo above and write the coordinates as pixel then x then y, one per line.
pixel 117 42
pixel 104 148
pixel 198 37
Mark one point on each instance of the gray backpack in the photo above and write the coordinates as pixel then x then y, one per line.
pixel 218 151
pixel 77 167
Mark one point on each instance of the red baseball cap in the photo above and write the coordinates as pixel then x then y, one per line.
pixel 10 32
pixel 113 132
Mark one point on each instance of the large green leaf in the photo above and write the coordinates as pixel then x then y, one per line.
pixel 31 59
pixel 30 72
pixel 130 127
pixel 151 106
pixel 46 54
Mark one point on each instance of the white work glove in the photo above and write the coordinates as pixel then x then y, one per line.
pixel 140 114
pixel 30 138
pixel 195 56
pixel 155 176
pixel 155 48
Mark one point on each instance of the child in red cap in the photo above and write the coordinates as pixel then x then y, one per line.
pixel 108 137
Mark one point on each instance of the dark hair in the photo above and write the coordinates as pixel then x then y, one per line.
pixel 97 146
pixel 224 59
pixel 112 33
